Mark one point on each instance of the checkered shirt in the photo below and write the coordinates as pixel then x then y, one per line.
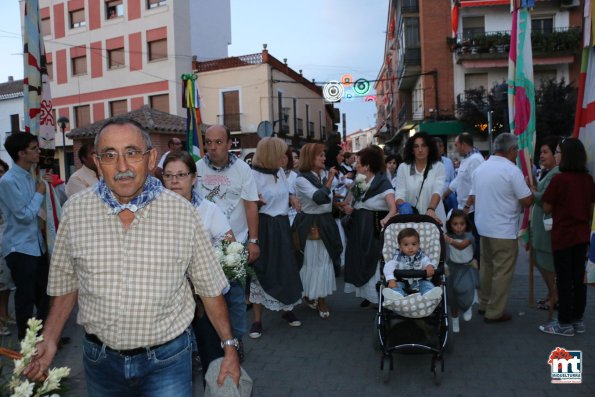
pixel 132 289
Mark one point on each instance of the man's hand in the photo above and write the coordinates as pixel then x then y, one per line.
pixel 40 188
pixel 37 369
pixel 230 366
pixel 253 252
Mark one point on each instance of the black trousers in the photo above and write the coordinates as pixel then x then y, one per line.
pixel 572 291
pixel 30 276
pixel 207 341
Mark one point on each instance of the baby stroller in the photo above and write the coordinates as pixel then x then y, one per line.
pixel 419 327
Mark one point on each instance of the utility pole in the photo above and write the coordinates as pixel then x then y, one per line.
pixel 344 127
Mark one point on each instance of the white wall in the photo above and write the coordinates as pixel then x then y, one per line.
pixel 8 107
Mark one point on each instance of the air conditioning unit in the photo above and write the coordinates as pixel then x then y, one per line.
pixel 569 3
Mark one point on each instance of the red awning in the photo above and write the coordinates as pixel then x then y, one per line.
pixel 483 3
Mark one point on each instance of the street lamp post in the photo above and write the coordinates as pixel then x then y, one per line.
pixel 62 121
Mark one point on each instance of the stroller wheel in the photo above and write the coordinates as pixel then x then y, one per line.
pixel 437 369
pixel 386 368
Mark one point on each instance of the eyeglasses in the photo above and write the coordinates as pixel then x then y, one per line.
pixel 179 176
pixel 130 156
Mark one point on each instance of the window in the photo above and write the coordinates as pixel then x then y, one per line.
pixel 160 102
pixel 156 3
pixel 79 66
pixel 323 133
pixel 476 80
pixel 300 126
pixel 46 26
pixel 50 69
pixel 285 120
pixel 118 107
pixel 77 19
pixel 82 116
pixel 14 123
pixel 311 129
pixel 542 25
pixel 157 49
pixel 231 110
pixel 114 9
pixel 473 26
pixel 411 32
pixel 115 58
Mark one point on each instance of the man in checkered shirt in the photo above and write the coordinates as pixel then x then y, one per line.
pixel 124 248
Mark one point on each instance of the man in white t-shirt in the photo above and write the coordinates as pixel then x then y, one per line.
pixel 173 144
pixel 228 182
pixel 85 176
pixel 499 192
pixel 471 158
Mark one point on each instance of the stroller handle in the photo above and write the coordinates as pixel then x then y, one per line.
pixel 417 273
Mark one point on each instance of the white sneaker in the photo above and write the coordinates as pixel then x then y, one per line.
pixel 468 314
pixel 455 325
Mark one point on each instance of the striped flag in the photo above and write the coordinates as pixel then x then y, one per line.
pixel 584 121
pixel 39 118
pixel 191 101
pixel 521 90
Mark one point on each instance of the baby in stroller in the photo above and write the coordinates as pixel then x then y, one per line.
pixel 409 256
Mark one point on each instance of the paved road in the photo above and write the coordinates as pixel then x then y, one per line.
pixel 336 356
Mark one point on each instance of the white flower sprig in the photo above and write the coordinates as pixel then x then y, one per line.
pixel 360 187
pixel 24 388
pixel 233 257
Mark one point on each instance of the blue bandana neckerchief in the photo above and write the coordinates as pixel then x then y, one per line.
pixel 231 159
pixel 473 151
pixel 196 199
pixel 151 190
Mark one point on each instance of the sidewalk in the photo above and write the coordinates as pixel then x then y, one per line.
pixel 335 357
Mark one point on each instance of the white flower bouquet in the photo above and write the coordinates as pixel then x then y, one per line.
pixel 233 257
pixel 20 387
pixel 360 187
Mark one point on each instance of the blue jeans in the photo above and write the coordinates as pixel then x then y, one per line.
pixel 163 371
pixel 236 304
pixel 424 286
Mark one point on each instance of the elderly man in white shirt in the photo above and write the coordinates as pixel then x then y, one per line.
pixel 499 192
pixel 85 176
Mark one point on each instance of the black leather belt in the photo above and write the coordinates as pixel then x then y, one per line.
pixel 130 352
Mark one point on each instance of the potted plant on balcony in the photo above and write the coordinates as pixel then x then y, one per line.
pixel 502 42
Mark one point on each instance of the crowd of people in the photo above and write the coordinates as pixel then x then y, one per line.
pixel 135 244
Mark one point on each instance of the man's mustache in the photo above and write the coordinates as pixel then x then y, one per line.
pixel 122 175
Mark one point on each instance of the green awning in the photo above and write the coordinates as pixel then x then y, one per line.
pixel 444 127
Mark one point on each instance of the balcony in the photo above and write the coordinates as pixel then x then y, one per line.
pixel 409 66
pixel 409 7
pixel 231 121
pixel 561 44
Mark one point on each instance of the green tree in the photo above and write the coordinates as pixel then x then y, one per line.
pixel 555 106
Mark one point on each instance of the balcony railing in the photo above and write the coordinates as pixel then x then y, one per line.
pixel 231 121
pixel 560 39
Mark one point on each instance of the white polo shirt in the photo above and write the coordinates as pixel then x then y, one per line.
pixel 498 185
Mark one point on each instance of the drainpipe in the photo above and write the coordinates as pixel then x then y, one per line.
pixel 437 106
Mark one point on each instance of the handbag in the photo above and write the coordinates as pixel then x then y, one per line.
pixel 548 223
pixel 314 233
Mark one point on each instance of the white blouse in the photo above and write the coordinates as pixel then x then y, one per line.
pixel 274 193
pixel 408 187
pixel 305 191
pixel 375 203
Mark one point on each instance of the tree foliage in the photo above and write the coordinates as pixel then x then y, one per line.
pixel 555 104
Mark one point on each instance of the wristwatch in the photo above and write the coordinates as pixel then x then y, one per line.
pixel 253 240
pixel 230 342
